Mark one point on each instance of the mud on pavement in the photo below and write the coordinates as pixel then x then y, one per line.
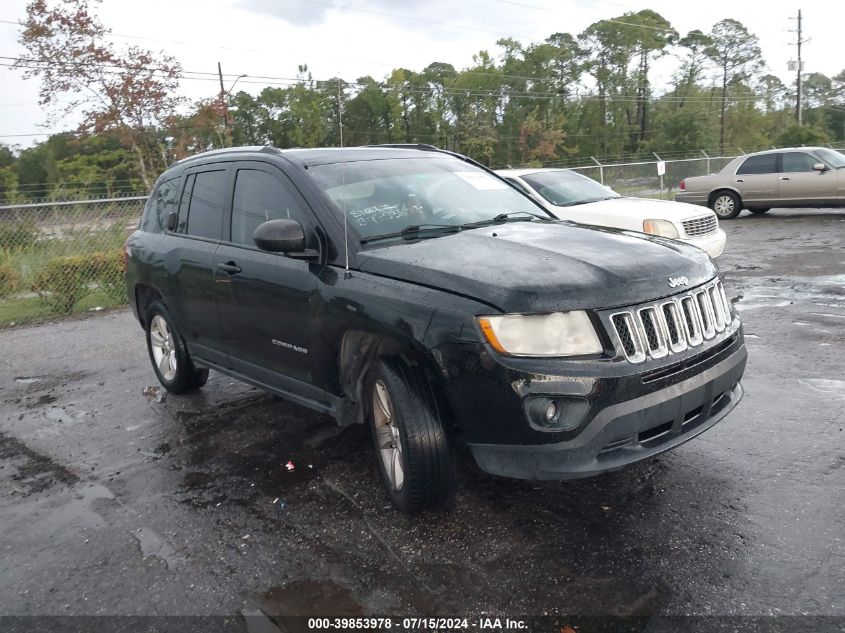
pixel 117 498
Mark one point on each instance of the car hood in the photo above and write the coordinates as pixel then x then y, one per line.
pixel 639 209
pixel 544 267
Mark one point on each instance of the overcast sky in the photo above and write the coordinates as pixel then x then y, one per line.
pixel 353 38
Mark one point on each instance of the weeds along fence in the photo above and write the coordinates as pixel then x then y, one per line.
pixel 62 257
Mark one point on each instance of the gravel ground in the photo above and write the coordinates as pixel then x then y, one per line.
pixel 116 499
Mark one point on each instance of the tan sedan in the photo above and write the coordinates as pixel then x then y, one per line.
pixel 792 177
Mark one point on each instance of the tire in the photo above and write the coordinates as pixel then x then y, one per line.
pixel 759 211
pixel 412 448
pixel 726 205
pixel 168 354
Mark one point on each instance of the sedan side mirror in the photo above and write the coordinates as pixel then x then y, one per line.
pixel 283 236
pixel 820 167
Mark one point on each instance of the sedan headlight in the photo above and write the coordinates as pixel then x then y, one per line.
pixel 556 334
pixel 663 228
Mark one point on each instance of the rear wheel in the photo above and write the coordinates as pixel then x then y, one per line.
pixel 168 354
pixel 758 211
pixel 415 459
pixel 726 205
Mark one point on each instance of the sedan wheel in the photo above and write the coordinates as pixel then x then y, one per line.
pixel 726 205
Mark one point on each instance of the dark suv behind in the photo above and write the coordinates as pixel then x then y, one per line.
pixel 414 290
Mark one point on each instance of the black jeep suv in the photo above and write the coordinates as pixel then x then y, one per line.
pixel 416 291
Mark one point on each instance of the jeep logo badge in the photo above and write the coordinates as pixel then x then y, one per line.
pixel 674 282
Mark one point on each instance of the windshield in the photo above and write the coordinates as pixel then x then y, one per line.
pixel 563 188
pixel 833 158
pixel 388 195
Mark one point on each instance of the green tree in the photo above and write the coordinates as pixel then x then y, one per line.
pixel 736 53
pixel 126 93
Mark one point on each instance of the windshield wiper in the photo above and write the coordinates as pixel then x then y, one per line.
pixel 587 201
pixel 505 217
pixel 414 231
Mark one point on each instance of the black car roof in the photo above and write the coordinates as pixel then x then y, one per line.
pixel 320 156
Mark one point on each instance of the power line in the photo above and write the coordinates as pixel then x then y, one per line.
pixel 613 20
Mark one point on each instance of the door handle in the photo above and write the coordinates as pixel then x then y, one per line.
pixel 740 180
pixel 784 177
pixel 229 267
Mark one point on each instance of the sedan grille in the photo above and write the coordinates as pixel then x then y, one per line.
pixel 672 325
pixel 705 225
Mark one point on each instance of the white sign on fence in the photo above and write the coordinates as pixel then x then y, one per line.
pixel 661 167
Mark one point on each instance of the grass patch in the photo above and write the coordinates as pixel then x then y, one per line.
pixel 29 309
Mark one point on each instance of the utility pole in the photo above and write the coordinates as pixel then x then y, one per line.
pixel 223 103
pixel 798 67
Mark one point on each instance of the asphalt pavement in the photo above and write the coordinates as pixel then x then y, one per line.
pixel 118 499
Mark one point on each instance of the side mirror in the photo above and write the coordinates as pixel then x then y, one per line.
pixel 283 236
pixel 820 167
pixel 172 221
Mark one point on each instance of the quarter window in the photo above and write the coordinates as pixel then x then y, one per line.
pixel 260 196
pixel 762 164
pixel 205 210
pixel 161 204
pixel 797 162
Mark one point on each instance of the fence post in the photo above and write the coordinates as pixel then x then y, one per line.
pixel 659 160
pixel 708 161
pixel 601 169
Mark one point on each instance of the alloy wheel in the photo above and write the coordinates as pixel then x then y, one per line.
pixel 164 350
pixel 387 434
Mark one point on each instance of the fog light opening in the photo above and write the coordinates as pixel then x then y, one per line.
pixel 551 411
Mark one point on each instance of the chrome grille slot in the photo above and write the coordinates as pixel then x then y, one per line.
pixel 692 321
pixel 673 325
pixel 655 335
pixel 718 308
pixel 629 336
pixel 725 302
pixel 705 311
pixel 704 225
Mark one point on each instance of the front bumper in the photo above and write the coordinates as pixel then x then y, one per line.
pixel 713 244
pixel 620 412
pixel 626 432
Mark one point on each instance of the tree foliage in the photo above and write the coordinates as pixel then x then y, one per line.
pixel 590 94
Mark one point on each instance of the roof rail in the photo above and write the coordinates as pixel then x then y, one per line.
pixel 420 146
pixel 266 149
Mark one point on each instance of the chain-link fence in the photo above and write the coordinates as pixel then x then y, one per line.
pixel 59 258
pixel 63 257
pixel 642 179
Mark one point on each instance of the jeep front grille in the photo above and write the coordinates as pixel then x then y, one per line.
pixel 674 324
pixel 698 227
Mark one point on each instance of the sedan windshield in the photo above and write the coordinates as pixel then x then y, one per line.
pixel 833 158
pixel 564 188
pixel 419 197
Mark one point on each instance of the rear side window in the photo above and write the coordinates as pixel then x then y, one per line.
pixel 763 164
pixel 260 196
pixel 161 204
pixel 205 205
pixel 797 162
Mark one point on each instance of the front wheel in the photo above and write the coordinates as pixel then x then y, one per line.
pixel 168 353
pixel 415 459
pixel 726 205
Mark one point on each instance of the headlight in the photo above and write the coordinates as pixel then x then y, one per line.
pixel 663 228
pixel 556 334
